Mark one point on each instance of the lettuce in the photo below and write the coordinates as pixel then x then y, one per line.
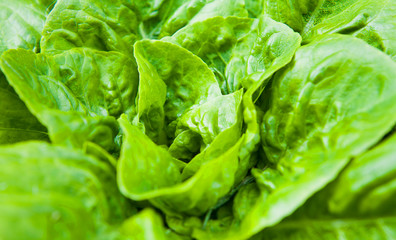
pixel 203 119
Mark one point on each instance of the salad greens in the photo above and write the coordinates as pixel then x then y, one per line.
pixel 201 119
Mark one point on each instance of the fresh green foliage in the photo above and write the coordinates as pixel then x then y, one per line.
pixel 52 191
pixel 370 20
pixel 201 119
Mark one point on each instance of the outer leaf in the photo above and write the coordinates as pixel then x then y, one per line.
pixel 21 24
pixel 17 123
pixel 66 97
pixel 101 25
pixel 316 103
pixel 163 18
pixel 333 133
pixel 187 79
pixel 296 14
pixel 357 205
pixel 370 20
pixel 55 189
pixel 254 7
pixel 366 187
pixel 38 217
pixel 105 82
pixel 363 228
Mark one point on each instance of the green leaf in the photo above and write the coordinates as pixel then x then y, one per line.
pixel 148 172
pixel 164 18
pixel 308 140
pixel 205 122
pixel 38 217
pixel 370 20
pixel 75 94
pixel 223 43
pixel 333 228
pixel 143 166
pixel 105 82
pixel 22 22
pixel 100 25
pixel 366 187
pixel 254 7
pixel 324 99
pixel 171 81
pixel 327 115
pixel 357 205
pixel 56 189
pixel 17 123
pixel 240 51
pixel 146 225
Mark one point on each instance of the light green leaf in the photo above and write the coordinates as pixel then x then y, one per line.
pixel 254 7
pixel 164 18
pixel 171 81
pixel 372 21
pixel 327 115
pixel 146 225
pixel 71 95
pixel 220 145
pixel 377 228
pixel 326 96
pixel 39 217
pixel 56 189
pixel 143 166
pixel 100 25
pixel 105 82
pixel 240 51
pixel 205 122
pixel 22 22
pixel 148 172
pixel 357 205
pixel 366 187
pixel 17 123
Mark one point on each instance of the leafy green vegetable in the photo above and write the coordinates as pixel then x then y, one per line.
pixel 202 119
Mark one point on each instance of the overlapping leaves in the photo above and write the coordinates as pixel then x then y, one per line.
pixel 208 111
